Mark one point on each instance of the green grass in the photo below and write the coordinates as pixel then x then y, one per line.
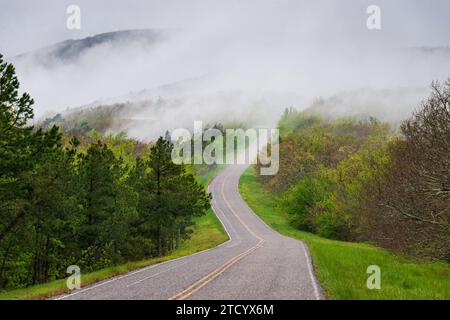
pixel 208 232
pixel 341 266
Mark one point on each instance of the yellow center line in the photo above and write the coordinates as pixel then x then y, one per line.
pixel 214 274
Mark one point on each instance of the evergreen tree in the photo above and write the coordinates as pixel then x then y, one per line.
pixel 89 204
pixel 169 197
pixel 108 205
pixel 21 146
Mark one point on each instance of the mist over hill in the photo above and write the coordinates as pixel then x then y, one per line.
pixel 70 51
pixel 177 77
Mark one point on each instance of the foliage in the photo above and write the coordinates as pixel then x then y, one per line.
pixel 293 121
pixel 341 266
pixel 89 200
pixel 208 233
pixel 410 212
pixel 353 180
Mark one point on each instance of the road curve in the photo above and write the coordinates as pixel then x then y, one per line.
pixel 257 263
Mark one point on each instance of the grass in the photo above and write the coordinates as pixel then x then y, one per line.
pixel 208 233
pixel 341 266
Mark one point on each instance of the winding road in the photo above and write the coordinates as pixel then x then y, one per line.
pixel 256 263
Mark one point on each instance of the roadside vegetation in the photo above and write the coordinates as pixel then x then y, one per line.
pixel 207 232
pixel 371 185
pixel 362 180
pixel 101 203
pixel 341 266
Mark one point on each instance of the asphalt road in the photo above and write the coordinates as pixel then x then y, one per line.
pixel 257 263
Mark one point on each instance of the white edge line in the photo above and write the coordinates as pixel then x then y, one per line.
pixel 149 267
pixel 213 207
pixel 311 273
pixel 308 259
pixel 216 208
pixel 157 274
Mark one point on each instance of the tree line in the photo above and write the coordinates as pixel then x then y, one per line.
pixel 362 180
pixel 88 200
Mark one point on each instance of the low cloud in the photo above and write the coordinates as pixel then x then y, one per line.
pixel 247 61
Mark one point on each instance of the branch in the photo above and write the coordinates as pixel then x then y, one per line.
pixel 414 217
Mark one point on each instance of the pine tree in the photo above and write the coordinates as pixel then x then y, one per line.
pixel 21 148
pixel 108 204
pixel 20 145
pixel 169 197
pixel 83 204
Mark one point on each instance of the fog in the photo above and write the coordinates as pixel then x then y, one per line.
pixel 233 60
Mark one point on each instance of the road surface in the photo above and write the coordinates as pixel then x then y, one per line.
pixel 257 263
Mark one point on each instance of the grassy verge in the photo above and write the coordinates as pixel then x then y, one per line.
pixel 208 232
pixel 341 266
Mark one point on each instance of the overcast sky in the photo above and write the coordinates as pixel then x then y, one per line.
pixel 233 57
pixel 26 24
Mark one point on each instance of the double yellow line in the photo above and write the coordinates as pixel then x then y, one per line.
pixel 214 274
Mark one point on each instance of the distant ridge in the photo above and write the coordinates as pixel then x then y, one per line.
pixel 69 51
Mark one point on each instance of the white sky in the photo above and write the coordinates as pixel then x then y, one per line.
pixel 254 56
pixel 27 24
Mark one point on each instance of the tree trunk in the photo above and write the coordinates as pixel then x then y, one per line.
pixel 159 242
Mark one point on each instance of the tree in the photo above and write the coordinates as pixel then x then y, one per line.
pixel 20 144
pixel 168 197
pixel 108 205
pixel 21 149
pixel 54 214
pixel 89 202
pixel 415 196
